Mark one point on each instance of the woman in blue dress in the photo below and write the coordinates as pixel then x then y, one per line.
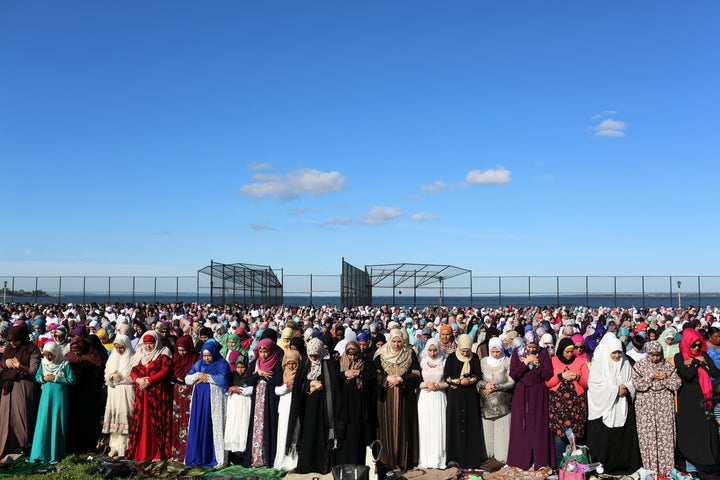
pixel 206 430
pixel 54 374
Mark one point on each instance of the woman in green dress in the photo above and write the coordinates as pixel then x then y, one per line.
pixel 54 374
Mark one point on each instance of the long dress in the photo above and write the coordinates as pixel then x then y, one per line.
pixel 697 435
pixel 496 406
pixel 283 460
pixel 49 439
pixel 397 410
pixel 206 430
pixel 151 430
pixel 237 422
pixel 85 404
pixel 612 432
pixel 120 398
pixel 312 418
pixel 262 435
pixel 355 416
pixel 465 440
pixel 20 392
pixel 655 406
pixel 530 440
pixel 182 395
pixel 432 415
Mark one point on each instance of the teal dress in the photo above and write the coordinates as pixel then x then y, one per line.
pixel 49 439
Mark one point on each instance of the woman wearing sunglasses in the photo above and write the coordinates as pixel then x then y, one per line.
pixel 697 435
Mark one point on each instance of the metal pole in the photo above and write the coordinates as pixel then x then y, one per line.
pixel 311 290
pixel 109 289
pixel 557 290
pixel 529 293
pixel 4 292
pixel 699 293
pixel 36 288
pixel 643 291
pixel 587 298
pixel 60 289
pixel 499 291
pixel 84 280
pixel 671 292
pixel 154 289
pixel 615 291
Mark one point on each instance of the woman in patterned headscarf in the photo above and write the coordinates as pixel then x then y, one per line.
pixel 398 375
pixel 656 381
pixel 311 427
pixel 496 387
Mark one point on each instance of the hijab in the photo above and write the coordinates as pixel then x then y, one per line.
pixel 57 363
pixel 87 353
pixel 565 343
pixel 266 364
pixel 606 376
pixel 315 348
pixel 690 336
pixel 285 337
pixel 464 342
pixel 22 352
pixel 495 342
pixel 144 357
pixel 120 362
pixel 183 363
pixel 345 363
pixel 426 361
pixel 576 339
pixel 218 368
pixel 290 356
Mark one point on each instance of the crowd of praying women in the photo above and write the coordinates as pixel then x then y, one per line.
pixel 304 389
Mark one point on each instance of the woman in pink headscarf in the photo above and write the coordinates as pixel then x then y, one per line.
pixel 264 374
pixel 697 435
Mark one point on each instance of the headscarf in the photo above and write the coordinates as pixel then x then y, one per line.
pixel 669 351
pixel 104 334
pixel 690 336
pixel 87 353
pixel 22 352
pixel 246 339
pixel 345 363
pixel 266 364
pixel 576 339
pixel 218 368
pixel 495 342
pixel 606 376
pixel 426 361
pixel 120 362
pixel 285 337
pixel 315 348
pixel 565 343
pixel 464 342
pixel 350 336
pixel 80 331
pixel 290 356
pixel 395 362
pixel 299 345
pixel 58 361
pixel 144 357
pixel 183 363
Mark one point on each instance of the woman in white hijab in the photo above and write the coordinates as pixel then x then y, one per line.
pixel 495 388
pixel 432 404
pixel 120 396
pixel 612 432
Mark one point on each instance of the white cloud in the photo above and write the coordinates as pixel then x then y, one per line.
pixel 419 217
pixel 257 166
pixel 294 184
pixel 605 114
pixel 610 128
pixel 339 221
pixel 434 187
pixel 261 227
pixel 488 177
pixel 381 215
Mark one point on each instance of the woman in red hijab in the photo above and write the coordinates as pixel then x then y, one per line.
pixel 697 435
pixel 183 360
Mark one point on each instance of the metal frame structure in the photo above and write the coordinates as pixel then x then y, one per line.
pixel 242 283
pixel 355 286
pixel 422 275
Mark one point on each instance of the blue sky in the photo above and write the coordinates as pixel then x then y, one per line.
pixel 509 138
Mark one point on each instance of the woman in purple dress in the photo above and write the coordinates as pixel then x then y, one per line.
pixel 530 441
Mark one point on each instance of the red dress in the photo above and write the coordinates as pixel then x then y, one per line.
pixel 151 431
